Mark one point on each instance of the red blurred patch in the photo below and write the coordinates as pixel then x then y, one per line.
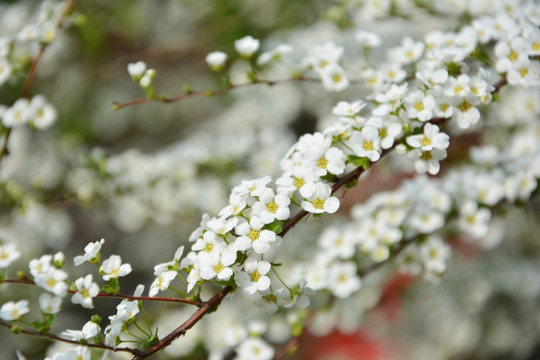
pixel 338 346
pixel 391 301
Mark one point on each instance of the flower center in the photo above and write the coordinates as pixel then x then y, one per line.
pixel 419 106
pixel 368 146
pixel 513 56
pixel 271 207
pixel 51 283
pixel 425 141
pixel 426 155
pixel 318 204
pixel 218 268
pixel 255 276
pixel 254 234
pixel 465 106
pixel 322 163
pixel 298 182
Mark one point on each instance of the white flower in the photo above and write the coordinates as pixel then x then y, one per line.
pixel 435 253
pixel 388 130
pixel 216 60
pixel 367 143
pixel 368 39
pixel 52 280
pixel 510 53
pixel 252 236
pixel 300 178
pixel 86 291
pixel 427 160
pixel 88 331
pixel 474 220
pixel 216 264
pixel 112 268
pixel 136 70
pixel 14 310
pixel 336 243
pixel 5 70
pixel 162 282
pixel 43 114
pixel 209 243
pixel 344 108
pixel 274 55
pixel 426 221
pixel 408 52
pixel 321 201
pixel 326 161
pixel 254 349
pixel 465 111
pixel 125 310
pixel 253 278
pixel 222 225
pixel 49 304
pixel 430 139
pixel 380 253
pixel 419 105
pixel 18 114
pixel 342 279
pixel 251 187
pixel 334 79
pixel 91 253
pixel 73 353
pixel 8 254
pixel 272 207
pixel 247 46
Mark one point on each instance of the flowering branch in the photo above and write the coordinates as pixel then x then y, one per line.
pixel 210 93
pixel 118 295
pixel 61 339
pixel 206 307
pixel 30 77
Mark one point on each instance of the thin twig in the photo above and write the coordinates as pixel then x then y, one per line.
pixel 61 339
pixel 209 93
pixel 119 296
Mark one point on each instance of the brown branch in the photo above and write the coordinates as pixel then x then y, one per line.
pixel 207 306
pixel 209 93
pixel 61 339
pixel 119 295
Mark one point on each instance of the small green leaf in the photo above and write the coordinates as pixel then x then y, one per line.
pixel 187 89
pixel 453 68
pixel 276 226
pixel 96 319
pixel 358 161
pixel 351 184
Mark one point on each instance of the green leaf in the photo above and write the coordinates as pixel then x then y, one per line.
pixel 276 226
pixel 151 341
pixel 352 183
pixel 453 68
pixel 358 161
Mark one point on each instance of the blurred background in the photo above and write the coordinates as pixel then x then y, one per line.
pixel 142 176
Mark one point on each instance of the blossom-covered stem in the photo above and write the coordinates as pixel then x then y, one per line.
pixel 188 324
pixel 28 81
pixel 53 337
pixel 119 296
pixel 201 93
